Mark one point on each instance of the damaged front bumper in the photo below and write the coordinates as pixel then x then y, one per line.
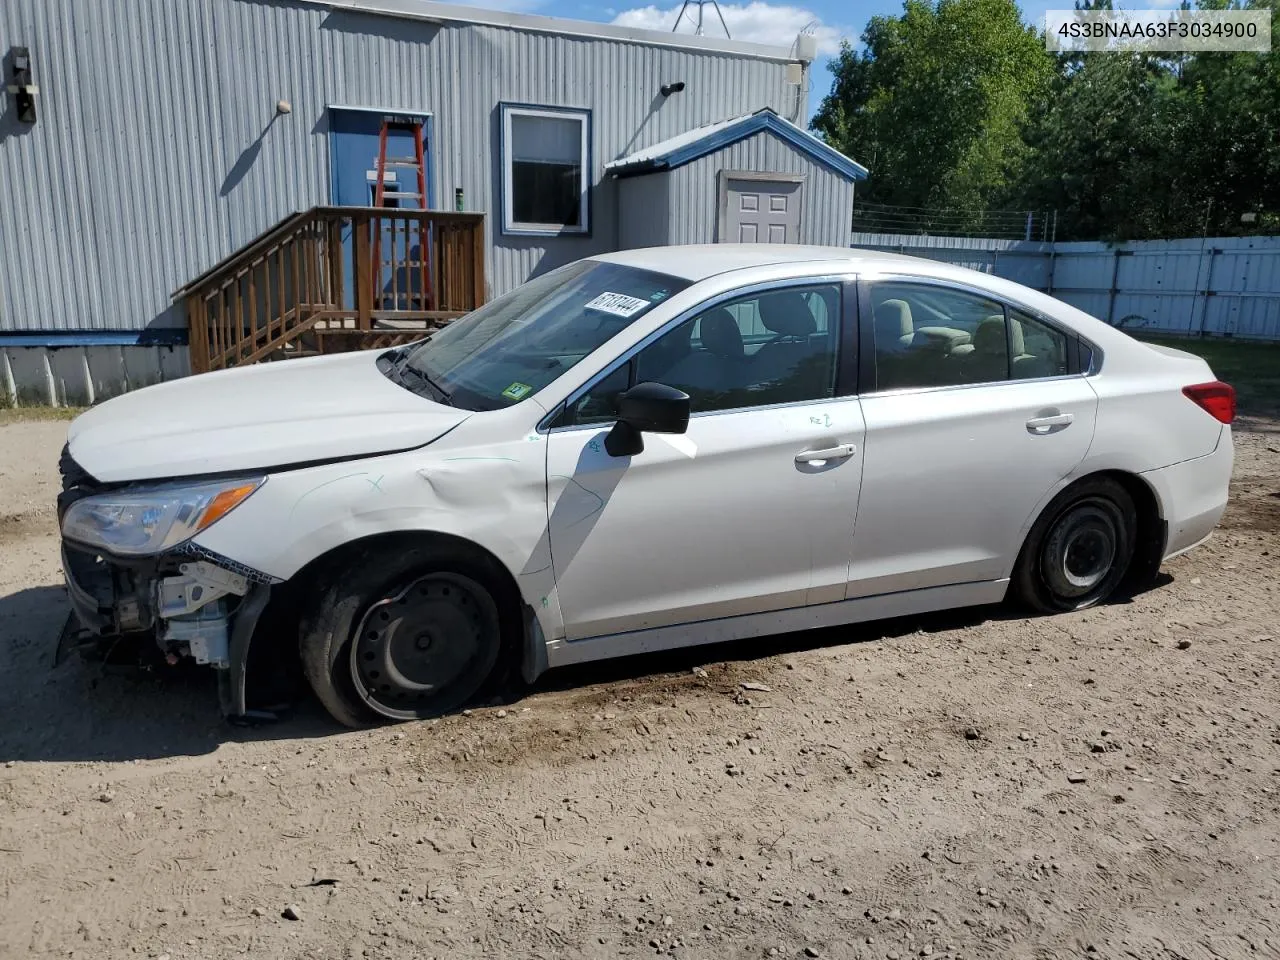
pixel 188 603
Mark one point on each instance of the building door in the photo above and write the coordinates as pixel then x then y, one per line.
pixel 353 161
pixel 759 209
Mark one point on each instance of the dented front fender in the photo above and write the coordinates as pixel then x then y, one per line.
pixel 477 484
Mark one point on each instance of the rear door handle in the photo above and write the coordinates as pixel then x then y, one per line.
pixel 1051 424
pixel 829 453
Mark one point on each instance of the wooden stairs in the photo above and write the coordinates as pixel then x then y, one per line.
pixel 309 285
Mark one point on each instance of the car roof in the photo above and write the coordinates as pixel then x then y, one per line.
pixel 700 261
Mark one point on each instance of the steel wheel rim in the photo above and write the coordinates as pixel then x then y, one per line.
pixel 1081 549
pixel 426 648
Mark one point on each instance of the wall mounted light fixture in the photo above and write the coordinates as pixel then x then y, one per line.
pixel 20 85
pixel 667 89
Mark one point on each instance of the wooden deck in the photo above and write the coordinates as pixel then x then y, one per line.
pixel 309 285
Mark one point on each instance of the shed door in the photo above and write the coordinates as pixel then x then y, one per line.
pixel 761 211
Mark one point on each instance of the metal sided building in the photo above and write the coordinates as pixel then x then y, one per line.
pixel 191 184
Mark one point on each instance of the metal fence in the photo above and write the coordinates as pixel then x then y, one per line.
pixel 1215 286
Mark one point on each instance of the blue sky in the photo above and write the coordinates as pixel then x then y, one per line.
pixel 763 22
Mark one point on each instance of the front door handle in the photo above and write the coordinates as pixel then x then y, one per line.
pixel 1043 425
pixel 829 453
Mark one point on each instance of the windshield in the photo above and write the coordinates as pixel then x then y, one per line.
pixel 511 348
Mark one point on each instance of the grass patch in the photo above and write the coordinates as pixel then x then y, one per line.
pixel 19 414
pixel 1250 366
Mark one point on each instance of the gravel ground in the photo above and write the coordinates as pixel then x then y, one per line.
pixel 970 784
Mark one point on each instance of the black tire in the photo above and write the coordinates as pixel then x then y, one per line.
pixel 403 634
pixel 1078 550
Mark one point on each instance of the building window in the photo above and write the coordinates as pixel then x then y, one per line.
pixel 545 165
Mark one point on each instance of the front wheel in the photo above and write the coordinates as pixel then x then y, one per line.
pixel 401 638
pixel 1079 549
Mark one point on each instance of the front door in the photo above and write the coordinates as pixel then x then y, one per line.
pixel 756 210
pixel 740 514
pixel 353 160
pixel 977 414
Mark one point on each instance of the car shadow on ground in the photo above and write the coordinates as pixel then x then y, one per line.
pixel 684 659
pixel 83 711
pixel 742 651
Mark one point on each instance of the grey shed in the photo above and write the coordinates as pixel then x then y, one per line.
pixel 753 178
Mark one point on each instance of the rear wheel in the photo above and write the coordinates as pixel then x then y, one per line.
pixel 1079 549
pixel 402 637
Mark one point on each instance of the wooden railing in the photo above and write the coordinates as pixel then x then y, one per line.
pixel 309 285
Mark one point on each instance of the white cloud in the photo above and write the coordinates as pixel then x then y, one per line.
pixel 756 22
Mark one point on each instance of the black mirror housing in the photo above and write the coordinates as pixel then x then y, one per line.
pixel 646 408
pixel 655 408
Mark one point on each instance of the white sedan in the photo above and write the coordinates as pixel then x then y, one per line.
pixel 634 452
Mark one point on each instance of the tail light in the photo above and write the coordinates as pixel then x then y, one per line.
pixel 1218 399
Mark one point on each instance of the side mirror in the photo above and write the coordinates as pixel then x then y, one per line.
pixel 646 408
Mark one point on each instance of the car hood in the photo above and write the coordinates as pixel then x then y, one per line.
pixel 255 418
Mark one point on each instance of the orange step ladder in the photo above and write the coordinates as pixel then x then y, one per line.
pixel 381 194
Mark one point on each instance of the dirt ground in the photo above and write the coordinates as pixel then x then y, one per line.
pixel 971 784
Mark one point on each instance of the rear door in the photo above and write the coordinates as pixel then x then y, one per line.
pixel 974 412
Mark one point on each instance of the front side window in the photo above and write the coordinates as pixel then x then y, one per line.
pixel 512 347
pixel 545 170
pixel 777 346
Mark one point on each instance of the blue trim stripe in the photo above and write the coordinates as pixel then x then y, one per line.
pixel 762 121
pixel 159 337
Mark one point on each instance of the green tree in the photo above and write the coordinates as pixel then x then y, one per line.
pixel 1227 142
pixel 956 103
pixel 1099 148
pixel 1137 146
pixel 936 103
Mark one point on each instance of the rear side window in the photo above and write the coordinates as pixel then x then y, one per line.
pixel 1036 349
pixel 927 335
pixel 1085 364
pixel 931 336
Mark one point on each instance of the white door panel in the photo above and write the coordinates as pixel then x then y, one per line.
pixel 950 478
pixel 720 521
pixel 761 211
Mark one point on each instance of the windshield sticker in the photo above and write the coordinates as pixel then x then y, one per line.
pixel 517 391
pixel 618 304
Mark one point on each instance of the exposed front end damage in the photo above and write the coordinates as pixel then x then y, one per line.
pixel 183 604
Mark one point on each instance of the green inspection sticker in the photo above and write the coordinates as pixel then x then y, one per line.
pixel 517 391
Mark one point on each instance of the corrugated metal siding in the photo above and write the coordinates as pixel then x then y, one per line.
pixel 826 202
pixel 156 153
pixel 1156 285
pixel 644 211
pixel 80 376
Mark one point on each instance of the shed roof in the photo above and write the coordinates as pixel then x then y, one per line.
pixel 701 141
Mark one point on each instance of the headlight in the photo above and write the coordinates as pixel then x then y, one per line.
pixel 141 523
